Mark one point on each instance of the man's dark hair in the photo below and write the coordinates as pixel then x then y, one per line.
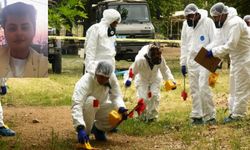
pixel 19 9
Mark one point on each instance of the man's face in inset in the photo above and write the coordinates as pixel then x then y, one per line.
pixel 19 32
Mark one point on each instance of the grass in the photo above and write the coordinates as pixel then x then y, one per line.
pixel 173 118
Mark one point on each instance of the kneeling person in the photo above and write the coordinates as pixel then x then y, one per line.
pixel 95 96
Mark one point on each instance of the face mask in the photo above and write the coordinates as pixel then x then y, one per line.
pixel 156 61
pixel 111 31
pixel 191 22
pixel 218 24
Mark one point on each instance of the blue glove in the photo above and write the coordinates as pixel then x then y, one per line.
pixel 3 90
pixel 124 113
pixel 184 70
pixel 82 136
pixel 209 54
pixel 128 83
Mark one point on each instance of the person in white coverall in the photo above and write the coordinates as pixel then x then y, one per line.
pixel 197 31
pixel 247 20
pixel 148 70
pixel 236 42
pixel 100 40
pixel 95 95
pixel 4 130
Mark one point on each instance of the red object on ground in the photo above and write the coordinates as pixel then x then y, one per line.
pixel 184 95
pixel 141 106
pixel 149 94
pixel 131 74
pixel 96 103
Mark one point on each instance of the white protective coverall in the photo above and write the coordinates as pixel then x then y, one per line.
pixel 2 83
pixel 236 42
pixel 87 89
pixel 98 46
pixel 192 39
pixel 149 80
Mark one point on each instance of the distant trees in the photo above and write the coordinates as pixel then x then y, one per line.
pixel 161 10
pixel 66 13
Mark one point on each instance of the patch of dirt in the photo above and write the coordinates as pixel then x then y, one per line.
pixel 171 52
pixel 41 127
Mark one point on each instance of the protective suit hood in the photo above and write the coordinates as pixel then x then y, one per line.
pixel 203 14
pixel 111 15
pixel 232 12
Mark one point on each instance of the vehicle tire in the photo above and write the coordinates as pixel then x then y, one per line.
pixel 57 64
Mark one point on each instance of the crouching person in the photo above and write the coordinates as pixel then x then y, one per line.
pixel 148 70
pixel 95 96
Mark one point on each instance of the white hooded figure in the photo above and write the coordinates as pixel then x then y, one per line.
pixel 197 31
pixel 148 69
pixel 100 40
pixel 247 20
pixel 4 130
pixel 236 42
pixel 95 96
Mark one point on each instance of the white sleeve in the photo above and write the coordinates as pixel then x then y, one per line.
pixel 165 71
pixel 80 94
pixel 91 46
pixel 211 34
pixel 3 81
pixel 234 36
pixel 115 92
pixel 184 44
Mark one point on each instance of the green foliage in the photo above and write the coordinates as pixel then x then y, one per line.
pixel 66 13
pixel 167 7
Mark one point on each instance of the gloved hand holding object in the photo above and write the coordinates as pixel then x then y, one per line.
pixel 184 70
pixel 82 135
pixel 3 90
pixel 128 83
pixel 124 112
pixel 209 54
pixel 170 85
pixel 115 118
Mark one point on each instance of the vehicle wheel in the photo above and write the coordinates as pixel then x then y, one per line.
pixel 57 64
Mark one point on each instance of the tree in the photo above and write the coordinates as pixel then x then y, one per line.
pixel 66 13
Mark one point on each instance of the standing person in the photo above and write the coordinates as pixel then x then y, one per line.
pixel 100 40
pixel 95 96
pixel 4 130
pixel 148 69
pixel 247 20
pixel 18 59
pixel 197 31
pixel 236 42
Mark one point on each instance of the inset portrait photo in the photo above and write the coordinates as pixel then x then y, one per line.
pixel 23 38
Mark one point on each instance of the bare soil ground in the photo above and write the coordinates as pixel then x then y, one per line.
pixel 41 127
